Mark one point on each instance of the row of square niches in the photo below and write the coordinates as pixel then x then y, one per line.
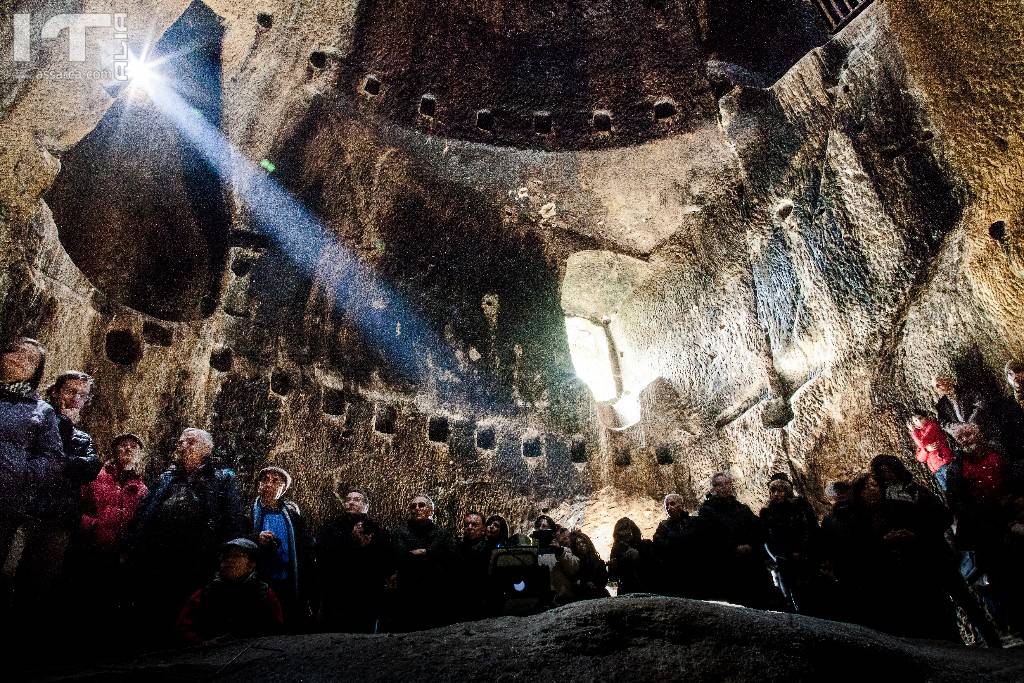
pixel 486 119
pixel 439 431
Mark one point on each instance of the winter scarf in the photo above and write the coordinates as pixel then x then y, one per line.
pixel 17 391
pixel 257 525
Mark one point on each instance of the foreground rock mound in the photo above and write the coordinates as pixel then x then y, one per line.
pixel 635 638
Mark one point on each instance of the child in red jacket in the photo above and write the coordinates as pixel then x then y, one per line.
pixel 236 603
pixel 932 447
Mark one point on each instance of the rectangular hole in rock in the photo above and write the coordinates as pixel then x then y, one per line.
pixel 122 347
pixel 623 457
pixel 532 447
pixel 664 455
pixel 371 85
pixel 542 122
pixel 485 120
pixel 602 121
pixel 384 420
pixel 222 359
pixel 428 105
pixel 578 451
pixel 438 430
pixel 157 335
pixel 334 402
pixel 485 438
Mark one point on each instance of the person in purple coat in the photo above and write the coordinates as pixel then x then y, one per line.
pixel 31 451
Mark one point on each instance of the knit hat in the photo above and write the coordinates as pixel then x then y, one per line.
pixel 277 470
pixel 244 544
pixel 127 435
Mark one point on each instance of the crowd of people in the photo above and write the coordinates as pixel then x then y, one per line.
pixel 185 559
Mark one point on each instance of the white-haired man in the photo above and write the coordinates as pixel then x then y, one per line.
pixel 425 553
pixel 193 509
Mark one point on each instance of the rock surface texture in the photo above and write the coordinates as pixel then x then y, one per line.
pixel 785 233
pixel 634 638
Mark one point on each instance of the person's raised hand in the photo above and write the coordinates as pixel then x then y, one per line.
pixel 267 538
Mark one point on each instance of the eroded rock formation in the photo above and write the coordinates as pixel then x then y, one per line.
pixel 351 246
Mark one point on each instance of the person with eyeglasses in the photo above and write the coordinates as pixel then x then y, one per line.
pixel 425 555
pixel 56 506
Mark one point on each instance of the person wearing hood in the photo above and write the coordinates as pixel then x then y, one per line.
pixel 791 537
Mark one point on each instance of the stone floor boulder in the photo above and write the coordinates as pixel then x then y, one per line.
pixel 628 638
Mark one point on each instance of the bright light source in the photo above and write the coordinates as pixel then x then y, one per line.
pixel 591 354
pixel 621 414
pixel 142 74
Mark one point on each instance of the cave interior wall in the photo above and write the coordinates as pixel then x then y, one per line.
pixel 810 242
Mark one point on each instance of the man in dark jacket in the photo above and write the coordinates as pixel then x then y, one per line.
pixel 425 554
pixel 355 507
pixel 286 548
pixel 678 551
pixel 56 507
pixel 957 406
pixel 31 453
pixel 474 558
pixel 791 531
pixel 354 561
pixel 735 539
pixel 192 509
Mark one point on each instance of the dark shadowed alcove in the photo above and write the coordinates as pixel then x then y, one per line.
pixel 138 208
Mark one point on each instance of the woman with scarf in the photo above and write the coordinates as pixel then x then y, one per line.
pixel 31 452
pixel 285 560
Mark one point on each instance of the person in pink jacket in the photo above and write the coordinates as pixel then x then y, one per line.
pixel 112 499
pixel 932 447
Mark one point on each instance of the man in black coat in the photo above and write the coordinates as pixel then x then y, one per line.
pixel 56 507
pixel 677 546
pixel 474 556
pixel 354 561
pixel 735 541
pixel 193 508
pixel 425 555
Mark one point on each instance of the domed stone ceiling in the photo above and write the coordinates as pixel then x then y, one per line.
pixel 342 282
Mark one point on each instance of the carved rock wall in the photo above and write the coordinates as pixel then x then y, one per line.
pixel 385 307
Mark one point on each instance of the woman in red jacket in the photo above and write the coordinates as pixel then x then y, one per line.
pixel 111 501
pixel 932 447
pixel 97 585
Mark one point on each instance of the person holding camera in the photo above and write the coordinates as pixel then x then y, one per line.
pixel 560 562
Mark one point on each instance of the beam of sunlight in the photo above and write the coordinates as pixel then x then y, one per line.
pixel 275 213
